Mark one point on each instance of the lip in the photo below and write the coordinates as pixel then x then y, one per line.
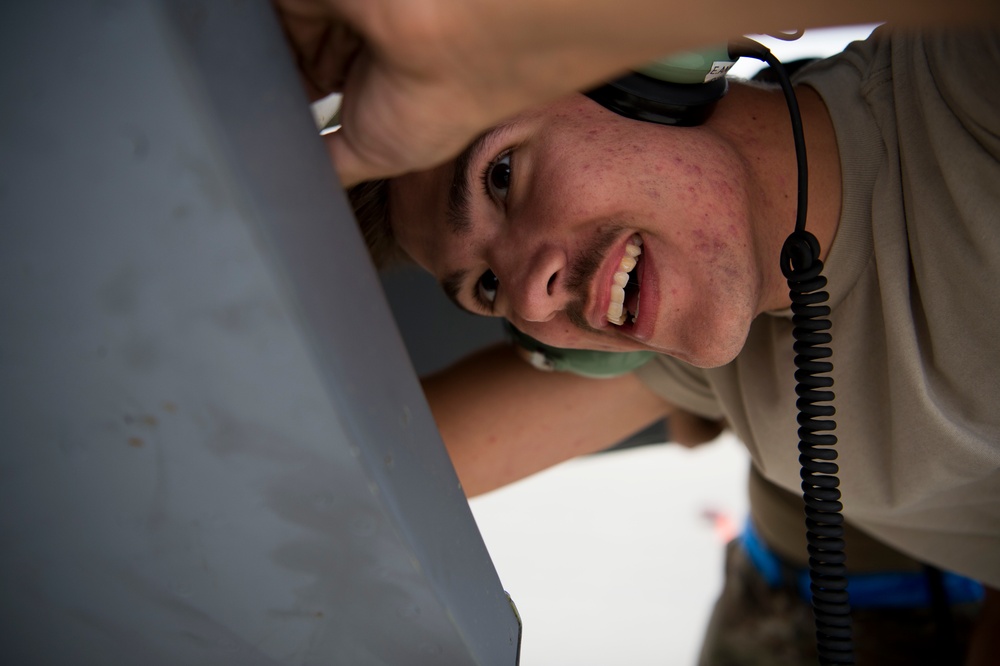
pixel 649 295
pixel 598 312
pixel 605 278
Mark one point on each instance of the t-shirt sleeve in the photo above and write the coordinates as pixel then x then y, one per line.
pixel 965 69
pixel 682 384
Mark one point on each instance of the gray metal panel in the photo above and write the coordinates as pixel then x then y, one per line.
pixel 212 446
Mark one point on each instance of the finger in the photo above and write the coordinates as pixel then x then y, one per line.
pixel 350 169
pixel 377 137
pixel 392 123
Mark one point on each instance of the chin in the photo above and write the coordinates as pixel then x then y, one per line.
pixel 709 350
pixel 711 358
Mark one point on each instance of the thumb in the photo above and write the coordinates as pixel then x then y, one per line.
pixel 350 167
pixel 365 153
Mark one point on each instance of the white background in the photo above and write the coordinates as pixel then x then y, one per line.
pixel 617 558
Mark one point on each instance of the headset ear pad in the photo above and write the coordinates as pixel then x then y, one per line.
pixel 642 97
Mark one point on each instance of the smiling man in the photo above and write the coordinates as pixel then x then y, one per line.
pixel 538 220
pixel 589 230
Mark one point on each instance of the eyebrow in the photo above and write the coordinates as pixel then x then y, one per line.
pixel 459 210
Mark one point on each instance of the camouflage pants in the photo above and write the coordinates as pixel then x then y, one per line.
pixel 754 624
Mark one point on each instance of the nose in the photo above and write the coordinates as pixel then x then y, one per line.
pixel 535 281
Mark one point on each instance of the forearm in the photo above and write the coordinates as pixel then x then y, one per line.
pixel 495 47
pixel 502 420
pixel 421 78
pixel 586 41
pixel 601 37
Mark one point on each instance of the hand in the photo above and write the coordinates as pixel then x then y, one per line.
pixel 429 75
pixel 382 73
pixel 324 44
pixel 421 78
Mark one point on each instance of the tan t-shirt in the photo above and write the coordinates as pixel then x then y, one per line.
pixel 914 276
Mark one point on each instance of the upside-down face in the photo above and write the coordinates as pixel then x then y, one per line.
pixel 589 230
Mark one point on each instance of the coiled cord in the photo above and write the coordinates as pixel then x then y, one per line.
pixel 802 268
pixel 820 484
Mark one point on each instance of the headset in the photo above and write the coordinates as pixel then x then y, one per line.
pixel 683 91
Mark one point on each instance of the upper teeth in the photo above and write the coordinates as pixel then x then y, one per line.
pixel 616 313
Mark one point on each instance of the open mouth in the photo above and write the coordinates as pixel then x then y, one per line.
pixel 624 301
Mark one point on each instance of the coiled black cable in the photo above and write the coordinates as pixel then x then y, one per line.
pixel 824 522
pixel 802 268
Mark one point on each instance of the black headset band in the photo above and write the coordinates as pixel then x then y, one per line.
pixel 641 97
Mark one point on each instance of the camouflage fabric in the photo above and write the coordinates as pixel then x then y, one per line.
pixel 754 624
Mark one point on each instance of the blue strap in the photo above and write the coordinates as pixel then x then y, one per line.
pixel 867 590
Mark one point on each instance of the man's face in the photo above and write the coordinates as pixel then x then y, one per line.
pixel 533 221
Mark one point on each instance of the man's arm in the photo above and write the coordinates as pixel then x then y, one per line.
pixel 503 420
pixel 421 78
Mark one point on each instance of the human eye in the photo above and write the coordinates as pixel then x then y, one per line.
pixel 496 177
pixel 486 289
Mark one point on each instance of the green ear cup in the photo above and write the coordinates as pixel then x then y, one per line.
pixel 584 362
pixel 681 90
pixel 691 67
